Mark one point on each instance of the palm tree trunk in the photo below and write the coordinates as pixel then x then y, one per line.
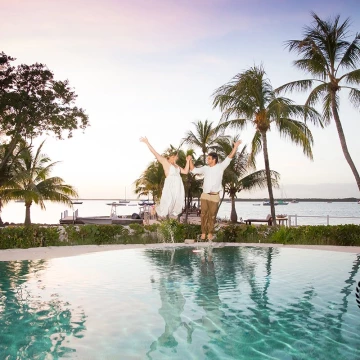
pixel 187 198
pixel 1 222
pixel 342 139
pixel 268 177
pixel 233 215
pixel 27 214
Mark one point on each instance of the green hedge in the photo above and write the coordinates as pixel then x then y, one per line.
pixel 29 236
pixel 340 235
pixel 171 230
pixel 107 234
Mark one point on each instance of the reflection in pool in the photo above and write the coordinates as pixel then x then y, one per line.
pixel 32 326
pixel 219 303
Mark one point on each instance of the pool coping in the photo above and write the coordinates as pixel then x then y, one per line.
pixel 66 251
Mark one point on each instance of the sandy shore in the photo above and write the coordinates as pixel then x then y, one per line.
pixel 65 251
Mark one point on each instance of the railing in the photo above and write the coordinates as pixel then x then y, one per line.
pixel 65 214
pixel 327 217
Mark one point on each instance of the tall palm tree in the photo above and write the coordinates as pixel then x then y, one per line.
pixel 250 98
pixel 327 55
pixel 32 182
pixel 240 175
pixel 205 137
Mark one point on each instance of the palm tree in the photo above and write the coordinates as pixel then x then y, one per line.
pixel 240 175
pixel 326 55
pixel 250 98
pixel 33 184
pixel 205 137
pixel 192 185
pixel 151 181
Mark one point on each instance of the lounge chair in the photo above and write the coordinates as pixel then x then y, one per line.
pixel 268 220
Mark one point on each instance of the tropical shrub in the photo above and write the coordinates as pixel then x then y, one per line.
pixel 171 230
pixel 23 237
pixel 13 237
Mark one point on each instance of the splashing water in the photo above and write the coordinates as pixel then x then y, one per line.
pixel 166 231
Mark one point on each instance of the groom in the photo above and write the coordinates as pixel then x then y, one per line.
pixel 213 174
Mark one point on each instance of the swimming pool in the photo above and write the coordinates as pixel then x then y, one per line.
pixel 174 303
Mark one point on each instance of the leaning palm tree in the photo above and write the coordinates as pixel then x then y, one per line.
pixel 33 184
pixel 250 98
pixel 241 175
pixel 327 55
pixel 205 137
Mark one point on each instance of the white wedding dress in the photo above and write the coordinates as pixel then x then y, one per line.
pixel 173 194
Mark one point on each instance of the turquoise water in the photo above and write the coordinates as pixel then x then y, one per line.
pixel 220 303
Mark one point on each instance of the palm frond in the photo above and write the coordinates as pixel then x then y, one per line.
pixel 352 78
pixel 298 85
pixel 316 94
pixel 256 147
pixel 231 124
pixel 354 97
pixel 352 54
pixel 327 113
pixel 258 180
pixel 298 133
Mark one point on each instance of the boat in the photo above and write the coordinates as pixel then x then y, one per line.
pixel 283 202
pixel 76 202
pixel 294 201
pixel 124 201
pixel 146 203
pixel 267 203
pixel 256 204
pixel 116 203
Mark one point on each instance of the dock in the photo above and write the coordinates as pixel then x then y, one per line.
pixel 113 219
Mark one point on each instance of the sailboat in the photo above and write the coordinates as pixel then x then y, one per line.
pixel 283 202
pixel 124 201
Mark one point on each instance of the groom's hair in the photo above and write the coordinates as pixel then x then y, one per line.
pixel 214 156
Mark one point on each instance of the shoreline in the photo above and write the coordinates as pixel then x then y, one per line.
pixel 52 252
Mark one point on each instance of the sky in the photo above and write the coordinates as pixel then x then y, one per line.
pixel 150 67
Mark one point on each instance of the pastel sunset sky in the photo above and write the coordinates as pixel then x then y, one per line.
pixel 149 68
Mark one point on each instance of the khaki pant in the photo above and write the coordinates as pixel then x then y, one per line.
pixel 209 206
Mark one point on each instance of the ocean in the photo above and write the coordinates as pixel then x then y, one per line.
pixel 308 213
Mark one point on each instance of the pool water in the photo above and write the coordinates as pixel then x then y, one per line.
pixel 174 303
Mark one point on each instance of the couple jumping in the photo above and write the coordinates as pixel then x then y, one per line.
pixel 173 194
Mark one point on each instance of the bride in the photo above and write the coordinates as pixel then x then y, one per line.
pixel 173 194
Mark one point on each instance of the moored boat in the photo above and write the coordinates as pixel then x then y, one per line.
pixel 267 203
